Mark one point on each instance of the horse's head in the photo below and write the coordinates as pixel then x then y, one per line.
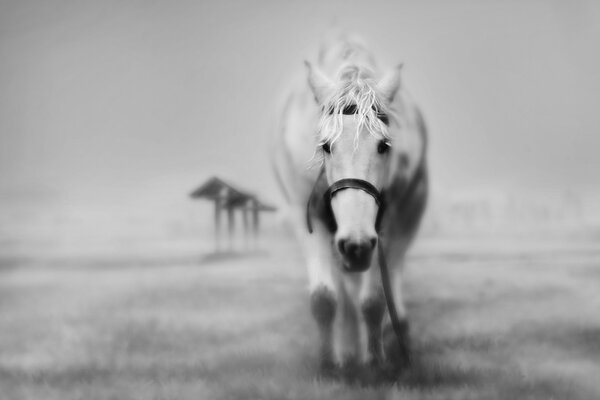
pixel 355 145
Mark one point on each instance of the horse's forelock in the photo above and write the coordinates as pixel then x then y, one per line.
pixel 355 87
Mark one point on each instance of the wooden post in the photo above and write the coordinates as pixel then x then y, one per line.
pixel 217 225
pixel 255 223
pixel 245 220
pixel 230 224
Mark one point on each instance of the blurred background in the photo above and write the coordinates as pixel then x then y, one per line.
pixel 112 112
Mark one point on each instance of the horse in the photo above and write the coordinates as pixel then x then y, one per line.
pixel 349 154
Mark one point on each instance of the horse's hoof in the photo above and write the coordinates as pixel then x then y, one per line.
pixel 327 369
pixel 351 370
pixel 397 349
pixel 374 373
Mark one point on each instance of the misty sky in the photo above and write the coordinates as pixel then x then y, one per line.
pixel 99 96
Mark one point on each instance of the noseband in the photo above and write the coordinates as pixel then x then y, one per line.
pixel 342 184
pixel 353 183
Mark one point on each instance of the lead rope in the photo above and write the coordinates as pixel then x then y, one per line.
pixel 399 330
pixel 312 194
pixel 389 299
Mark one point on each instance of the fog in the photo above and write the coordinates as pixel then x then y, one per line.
pixel 139 99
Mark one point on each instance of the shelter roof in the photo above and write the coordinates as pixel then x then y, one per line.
pixel 216 187
pixel 213 188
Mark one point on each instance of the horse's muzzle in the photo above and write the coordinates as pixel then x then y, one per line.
pixel 357 254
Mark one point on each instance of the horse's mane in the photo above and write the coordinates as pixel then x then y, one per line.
pixel 355 87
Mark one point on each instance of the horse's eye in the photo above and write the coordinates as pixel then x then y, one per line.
pixel 383 147
pixel 326 147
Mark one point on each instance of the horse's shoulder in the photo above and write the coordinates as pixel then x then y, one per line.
pixel 405 202
pixel 292 146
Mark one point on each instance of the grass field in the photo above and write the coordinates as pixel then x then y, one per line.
pixel 510 319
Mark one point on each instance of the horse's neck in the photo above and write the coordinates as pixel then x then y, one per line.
pixel 298 137
pixel 413 134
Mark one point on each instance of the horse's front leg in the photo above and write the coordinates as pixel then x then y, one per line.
pixel 348 330
pixel 372 306
pixel 323 293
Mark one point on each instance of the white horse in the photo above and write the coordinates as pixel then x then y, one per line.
pixel 349 155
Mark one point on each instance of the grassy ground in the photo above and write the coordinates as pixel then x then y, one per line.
pixel 502 324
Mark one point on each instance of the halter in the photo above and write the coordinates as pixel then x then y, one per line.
pixel 342 184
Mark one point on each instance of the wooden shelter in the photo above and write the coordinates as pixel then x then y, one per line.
pixel 228 198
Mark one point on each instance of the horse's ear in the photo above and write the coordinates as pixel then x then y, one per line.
pixel 318 82
pixel 390 83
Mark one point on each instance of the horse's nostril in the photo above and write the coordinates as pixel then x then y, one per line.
pixel 373 242
pixel 353 250
pixel 342 245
